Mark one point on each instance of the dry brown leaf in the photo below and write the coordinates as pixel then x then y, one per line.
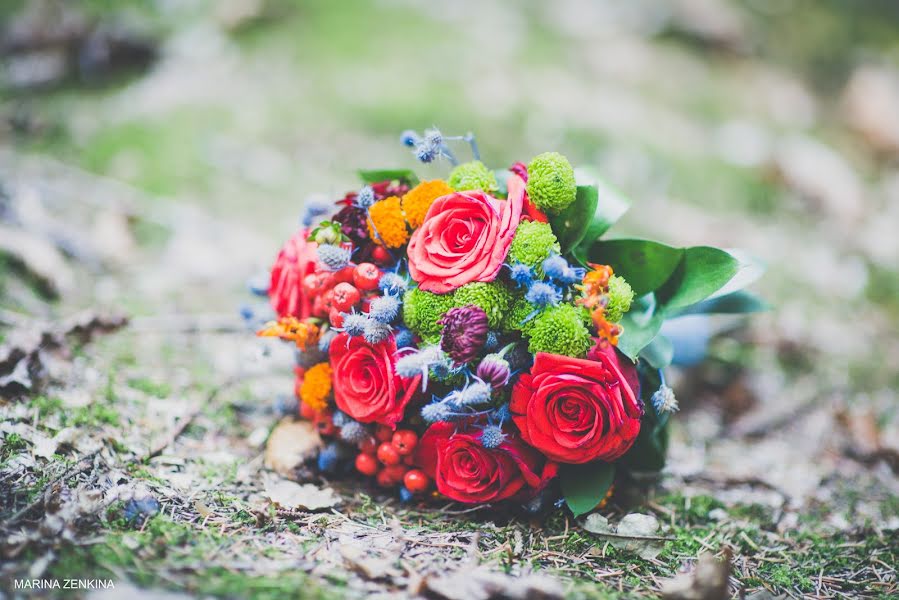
pixel 290 444
pixel 483 584
pixel 293 496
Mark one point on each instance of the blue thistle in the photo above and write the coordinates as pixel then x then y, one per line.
pixel 409 138
pixel 542 294
pixel 418 363
pixel 572 275
pixel 333 257
pixel 664 401
pixel 384 308
pixel 354 323
pixel 425 154
pixel 433 138
pixel 365 198
pixel 375 331
pixel 340 418
pixel 328 458
pixel 405 494
pixel 502 414
pixel 404 338
pixel 492 342
pixel 477 392
pixel 492 436
pixel 324 342
pixel 521 274
pixel 436 412
pixel 391 283
pixel 555 266
pixel 353 432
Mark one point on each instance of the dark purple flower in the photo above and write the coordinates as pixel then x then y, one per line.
pixel 464 333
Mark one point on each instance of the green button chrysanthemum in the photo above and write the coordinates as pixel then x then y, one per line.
pixel 620 297
pixel 472 175
pixel 422 310
pixel 533 243
pixel 493 298
pixel 551 184
pixel 517 317
pixel 560 330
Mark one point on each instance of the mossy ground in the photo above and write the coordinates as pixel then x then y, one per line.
pixel 233 128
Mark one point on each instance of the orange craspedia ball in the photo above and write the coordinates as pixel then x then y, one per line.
pixel 418 200
pixel 386 223
pixel 316 386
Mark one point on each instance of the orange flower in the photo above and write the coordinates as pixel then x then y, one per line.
pixel 386 223
pixel 302 333
pixel 595 290
pixel 418 200
pixel 316 386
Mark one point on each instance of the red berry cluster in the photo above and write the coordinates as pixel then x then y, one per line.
pixel 388 457
pixel 341 291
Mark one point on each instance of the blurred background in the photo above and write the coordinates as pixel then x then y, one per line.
pixel 154 154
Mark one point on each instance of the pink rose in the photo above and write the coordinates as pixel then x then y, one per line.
pixel 464 238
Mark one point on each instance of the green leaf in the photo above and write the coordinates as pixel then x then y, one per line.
pixel 702 271
pixel 646 265
pixel 649 450
pixel 584 486
pixel 659 352
pixel 611 206
pixel 570 225
pixel 730 304
pixel 637 334
pixel 376 175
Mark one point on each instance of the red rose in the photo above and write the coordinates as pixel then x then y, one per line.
pixel 366 386
pixel 466 471
pixel 296 259
pixel 465 237
pixel 576 410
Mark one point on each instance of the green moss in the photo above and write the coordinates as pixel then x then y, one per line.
pixel 150 387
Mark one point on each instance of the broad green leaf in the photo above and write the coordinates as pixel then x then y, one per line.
pixel 376 175
pixel 702 271
pixel 611 206
pixel 646 265
pixel 637 335
pixel 571 224
pixel 659 352
pixel 502 181
pixel 731 304
pixel 584 486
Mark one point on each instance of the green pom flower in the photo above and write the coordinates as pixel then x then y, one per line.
pixel 620 297
pixel 472 175
pixel 422 310
pixel 551 185
pixel 493 298
pixel 560 330
pixel 532 244
pixel 515 319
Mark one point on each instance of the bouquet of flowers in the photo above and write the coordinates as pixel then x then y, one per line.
pixel 475 339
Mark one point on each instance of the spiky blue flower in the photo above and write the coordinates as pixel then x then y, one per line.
pixel 384 308
pixel 391 283
pixel 375 331
pixel 543 294
pixel 328 458
pixel 365 198
pixel 409 138
pixel 418 362
pixel 354 323
pixel 433 138
pixel 521 274
pixel 492 436
pixel 492 342
pixel 246 312
pixel 502 414
pixel 572 275
pixel 340 418
pixel 436 412
pixel 404 338
pixel 333 257
pixel 405 494
pixel 353 432
pixel 425 153
pixel 314 209
pixel 555 266
pixel 664 401
pixel 477 392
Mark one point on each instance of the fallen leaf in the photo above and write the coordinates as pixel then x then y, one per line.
pixel 291 495
pixel 636 532
pixel 370 567
pixel 707 581
pixel 483 584
pixel 290 444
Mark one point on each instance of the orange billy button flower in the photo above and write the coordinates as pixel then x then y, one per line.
pixel 387 224
pixel 418 200
pixel 316 386
pixel 302 333
pixel 595 288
